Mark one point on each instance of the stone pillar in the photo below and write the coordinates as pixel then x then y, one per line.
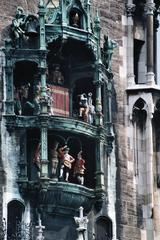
pixel 156 26
pixel 44 153
pixel 8 83
pixel 63 7
pixel 130 8
pixel 82 222
pixel 44 97
pixel 108 107
pixel 98 107
pixel 23 156
pixel 41 13
pixel 88 16
pixel 150 182
pixel 150 7
pixel 99 166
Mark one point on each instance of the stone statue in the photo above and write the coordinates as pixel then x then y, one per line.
pixel 57 76
pixel 79 168
pixel 107 51
pixel 66 161
pixel 18 25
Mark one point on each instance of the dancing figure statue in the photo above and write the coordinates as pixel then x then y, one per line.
pixel 66 161
pixel 86 108
pixel 79 168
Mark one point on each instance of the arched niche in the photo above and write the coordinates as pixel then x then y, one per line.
pixel 156 141
pixel 104 228
pixel 15 210
pixel 26 81
pixel 77 145
pixel 76 18
pixel 139 133
pixel 76 15
pixel 84 100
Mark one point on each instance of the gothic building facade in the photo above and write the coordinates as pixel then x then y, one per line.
pixel 80 111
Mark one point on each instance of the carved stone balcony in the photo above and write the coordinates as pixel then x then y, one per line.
pixel 65 198
pixel 51 122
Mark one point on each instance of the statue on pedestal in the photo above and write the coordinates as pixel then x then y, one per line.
pixel 66 161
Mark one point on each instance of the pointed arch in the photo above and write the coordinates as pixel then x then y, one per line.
pixel 76 15
pixel 104 228
pixel 15 210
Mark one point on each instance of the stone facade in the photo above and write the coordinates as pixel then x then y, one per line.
pixel 132 200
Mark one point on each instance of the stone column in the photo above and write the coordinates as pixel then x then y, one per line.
pixel 44 97
pixel 130 8
pixel 150 7
pixel 148 213
pixel 63 7
pixel 8 82
pixel 44 153
pixel 23 156
pixel 88 16
pixel 156 26
pixel 41 13
pixel 98 107
pixel 99 174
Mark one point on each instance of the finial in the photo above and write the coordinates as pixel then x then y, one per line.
pixel 97 18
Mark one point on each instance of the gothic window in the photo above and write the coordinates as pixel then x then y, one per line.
pixel 15 211
pixel 139 62
pixel 139 133
pixel 103 229
pixel 156 141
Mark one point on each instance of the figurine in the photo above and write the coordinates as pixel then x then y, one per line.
pixel 57 76
pixel 86 108
pixel 107 51
pixel 66 162
pixel 91 111
pixel 18 25
pixel 83 107
pixel 79 168
pixel 54 158
pixel 37 158
pixel 17 102
pixel 75 20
